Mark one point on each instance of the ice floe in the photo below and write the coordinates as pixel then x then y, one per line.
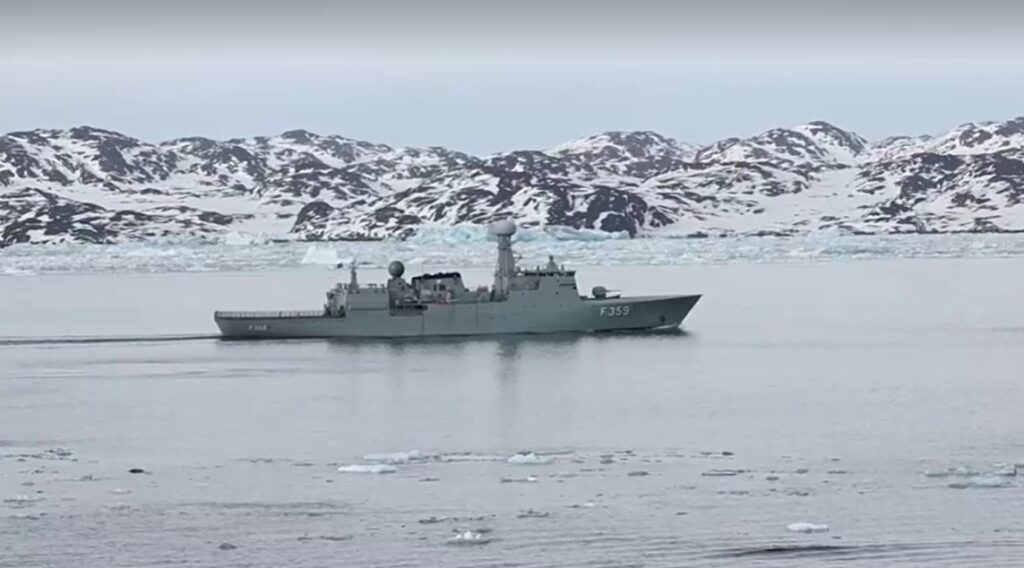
pixel 807 528
pixel 981 482
pixel 527 479
pixel 723 472
pixel 367 468
pixel 530 459
pixel 469 537
pixel 23 500
pixel 395 458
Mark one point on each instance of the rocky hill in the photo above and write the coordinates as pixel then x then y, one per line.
pixel 91 185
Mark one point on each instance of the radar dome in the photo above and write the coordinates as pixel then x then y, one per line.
pixel 396 269
pixel 504 228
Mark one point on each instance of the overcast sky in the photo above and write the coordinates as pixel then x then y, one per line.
pixel 488 76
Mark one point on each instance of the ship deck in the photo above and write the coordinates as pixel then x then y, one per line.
pixel 292 314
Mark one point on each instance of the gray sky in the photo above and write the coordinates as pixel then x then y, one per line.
pixel 487 76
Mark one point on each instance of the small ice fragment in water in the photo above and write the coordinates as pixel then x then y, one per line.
pixel 227 546
pixel 772 478
pixel 394 458
pixel 470 458
pixel 364 468
pixel 1005 470
pixel 531 514
pixel 638 473
pixel 468 537
pixel 587 505
pixel 23 500
pixel 981 482
pixel 959 471
pixel 529 459
pixel 119 491
pixel 432 520
pixel 802 471
pixel 722 472
pixel 807 528
pixel 527 479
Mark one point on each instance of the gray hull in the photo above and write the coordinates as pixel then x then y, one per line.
pixel 468 319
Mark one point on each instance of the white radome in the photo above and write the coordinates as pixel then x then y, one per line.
pixel 504 228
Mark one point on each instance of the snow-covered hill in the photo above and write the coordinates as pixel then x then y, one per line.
pixel 92 185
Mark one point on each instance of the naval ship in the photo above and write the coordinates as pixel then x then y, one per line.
pixel 539 300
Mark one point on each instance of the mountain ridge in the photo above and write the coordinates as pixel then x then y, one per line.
pixel 92 185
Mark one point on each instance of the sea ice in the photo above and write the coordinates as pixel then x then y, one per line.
pixel 468 537
pixel 395 458
pixel 807 528
pixel 527 479
pixel 454 458
pixel 367 468
pixel 981 482
pixel 722 472
pixel 23 500
pixel 530 459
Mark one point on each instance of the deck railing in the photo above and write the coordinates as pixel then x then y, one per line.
pixel 261 315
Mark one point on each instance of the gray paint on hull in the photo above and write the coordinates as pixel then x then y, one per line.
pixel 466 319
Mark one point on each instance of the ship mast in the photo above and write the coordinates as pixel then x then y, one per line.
pixel 503 231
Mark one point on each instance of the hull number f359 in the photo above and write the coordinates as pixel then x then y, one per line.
pixel 614 311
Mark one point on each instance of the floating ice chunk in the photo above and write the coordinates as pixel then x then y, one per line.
pixel 468 537
pixel 394 458
pixel 722 472
pixel 470 458
pixel 120 491
pixel 367 468
pixel 531 514
pixel 23 500
pixel 527 479
pixel 587 505
pixel 1005 470
pixel 958 471
pixel 981 482
pixel 807 528
pixel 530 459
